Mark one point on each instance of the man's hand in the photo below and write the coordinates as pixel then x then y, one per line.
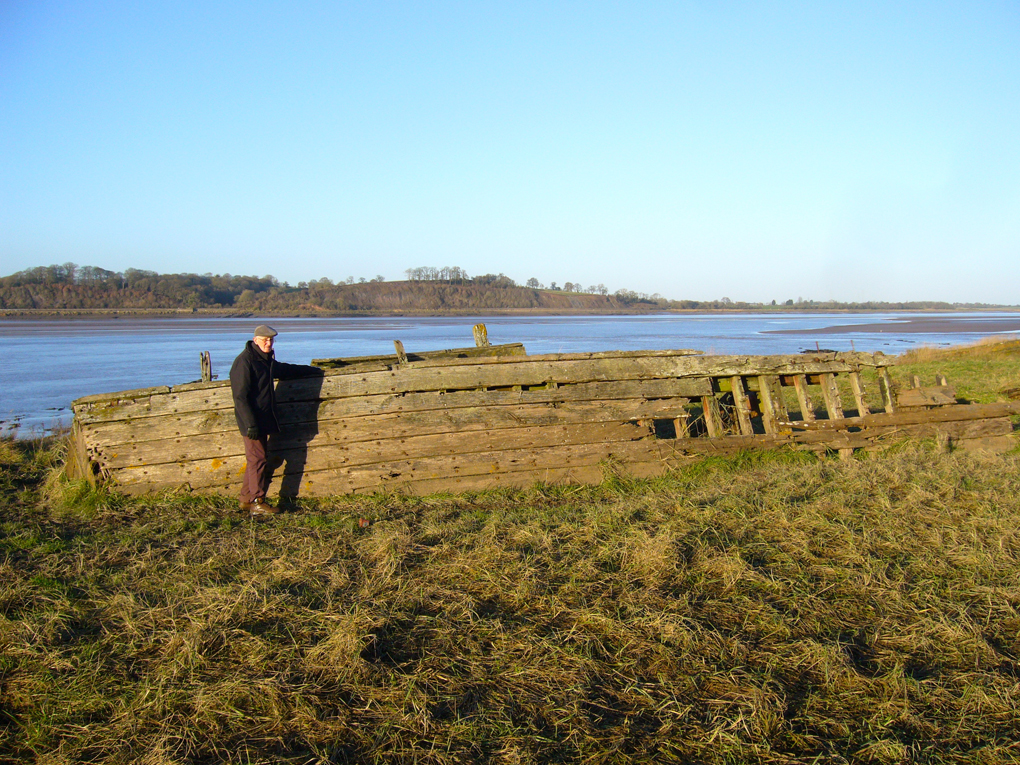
pixel 253 432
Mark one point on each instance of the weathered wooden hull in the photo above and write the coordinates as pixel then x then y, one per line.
pixel 455 420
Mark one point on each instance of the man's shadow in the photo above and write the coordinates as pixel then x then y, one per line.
pixel 297 405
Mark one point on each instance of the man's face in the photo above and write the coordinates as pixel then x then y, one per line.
pixel 265 344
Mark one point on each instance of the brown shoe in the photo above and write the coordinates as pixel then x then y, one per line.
pixel 259 506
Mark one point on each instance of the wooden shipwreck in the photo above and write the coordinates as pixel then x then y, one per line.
pixel 488 416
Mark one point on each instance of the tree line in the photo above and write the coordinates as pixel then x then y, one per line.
pixel 426 289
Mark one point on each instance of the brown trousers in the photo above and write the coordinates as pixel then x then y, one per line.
pixel 256 469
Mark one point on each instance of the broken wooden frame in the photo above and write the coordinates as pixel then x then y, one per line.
pixel 487 416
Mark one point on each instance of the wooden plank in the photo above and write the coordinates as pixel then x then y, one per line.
pixel 208 419
pixel 476 373
pixel 830 394
pixel 857 386
pixel 112 399
pixel 507 460
pixel 933 396
pixel 323 454
pixel 885 387
pixel 384 360
pixel 836 440
pixel 658 459
pixel 392 382
pixel 395 426
pixel 326 484
pixel 773 408
pixel 168 450
pixel 200 385
pixel 662 363
pixel 478 442
pixel 712 416
pixel 807 407
pixel 958 413
pixel 597 390
pixel 366 448
pixel 530 464
pixel 228 472
pixel 842 361
pixel 414 378
pixel 773 385
pixel 522 467
pixel 160 427
pixel 741 404
pixel 216 396
pixel 486 355
pixel 487 359
pixel 768 414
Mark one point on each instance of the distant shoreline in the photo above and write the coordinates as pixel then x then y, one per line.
pixel 907 325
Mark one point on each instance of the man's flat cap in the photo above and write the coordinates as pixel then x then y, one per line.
pixel 263 331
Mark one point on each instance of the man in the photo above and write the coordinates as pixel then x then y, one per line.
pixel 251 382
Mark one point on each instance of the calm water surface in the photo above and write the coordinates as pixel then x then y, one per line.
pixel 48 363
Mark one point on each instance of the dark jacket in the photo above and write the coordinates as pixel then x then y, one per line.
pixel 251 383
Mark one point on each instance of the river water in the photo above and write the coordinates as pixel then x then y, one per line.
pixel 48 363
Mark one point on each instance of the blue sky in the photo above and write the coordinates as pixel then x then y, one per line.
pixel 755 151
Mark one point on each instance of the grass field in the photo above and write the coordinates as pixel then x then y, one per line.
pixel 770 608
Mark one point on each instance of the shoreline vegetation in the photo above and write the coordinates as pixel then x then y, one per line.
pixel 768 608
pixel 70 290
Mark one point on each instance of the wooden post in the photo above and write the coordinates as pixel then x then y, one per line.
pixel 940 379
pixel 681 427
pixel 768 414
pixel 807 408
pixel 401 355
pixel 778 401
pixel 885 386
pixel 915 381
pixel 857 386
pixel 773 408
pixel 830 393
pixel 205 360
pixel 481 335
pixel 742 405
pixel 713 420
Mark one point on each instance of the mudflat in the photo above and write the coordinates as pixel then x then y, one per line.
pixel 916 324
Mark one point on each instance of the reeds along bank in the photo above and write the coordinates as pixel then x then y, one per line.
pixel 489 416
